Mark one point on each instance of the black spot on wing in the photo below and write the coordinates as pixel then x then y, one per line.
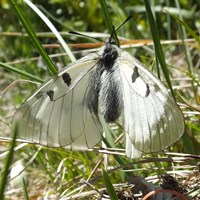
pixel 148 91
pixel 39 95
pixel 50 93
pixel 135 74
pixel 66 78
pixel 135 77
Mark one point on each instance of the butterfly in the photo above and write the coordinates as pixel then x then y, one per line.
pixel 67 110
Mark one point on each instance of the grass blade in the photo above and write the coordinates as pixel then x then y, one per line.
pixel 25 190
pixel 109 186
pixel 53 29
pixel 14 69
pixel 192 33
pixel 52 68
pixel 186 49
pixel 108 21
pixel 158 48
pixel 8 161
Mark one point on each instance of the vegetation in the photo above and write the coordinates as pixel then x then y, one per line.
pixel 54 173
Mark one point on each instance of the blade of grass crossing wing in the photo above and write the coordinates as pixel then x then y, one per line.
pixel 158 47
pixel 108 21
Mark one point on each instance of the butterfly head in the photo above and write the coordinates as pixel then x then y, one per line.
pixel 109 54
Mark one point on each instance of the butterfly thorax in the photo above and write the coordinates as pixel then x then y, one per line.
pixel 109 55
pixel 105 92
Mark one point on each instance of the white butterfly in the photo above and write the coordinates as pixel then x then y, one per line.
pixel 66 110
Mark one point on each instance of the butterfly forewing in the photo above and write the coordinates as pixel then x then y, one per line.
pixel 152 119
pixel 57 113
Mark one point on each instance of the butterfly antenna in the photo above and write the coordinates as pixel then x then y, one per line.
pixel 124 22
pixel 114 35
pixel 83 35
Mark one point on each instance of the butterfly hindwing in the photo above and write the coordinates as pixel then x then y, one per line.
pixel 152 120
pixel 57 113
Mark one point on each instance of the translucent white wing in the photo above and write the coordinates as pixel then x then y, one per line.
pixel 65 110
pixel 57 113
pixel 152 120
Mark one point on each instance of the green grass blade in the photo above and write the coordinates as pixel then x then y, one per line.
pixel 25 190
pixel 190 31
pixel 108 131
pixel 106 16
pixel 109 186
pixel 52 68
pixel 8 161
pixel 158 48
pixel 14 69
pixel 186 49
pixel 108 21
pixel 52 28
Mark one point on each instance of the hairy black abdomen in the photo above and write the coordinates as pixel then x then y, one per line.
pixel 105 95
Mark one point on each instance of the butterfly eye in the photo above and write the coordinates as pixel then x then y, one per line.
pixel 112 42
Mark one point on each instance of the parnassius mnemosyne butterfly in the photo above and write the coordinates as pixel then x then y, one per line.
pixel 65 111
